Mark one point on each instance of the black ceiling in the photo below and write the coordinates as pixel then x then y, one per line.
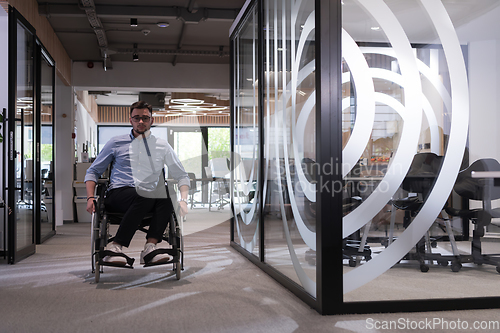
pixel 94 30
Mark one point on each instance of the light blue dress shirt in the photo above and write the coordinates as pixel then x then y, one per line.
pixel 131 161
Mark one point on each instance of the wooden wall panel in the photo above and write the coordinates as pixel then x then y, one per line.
pixel 120 115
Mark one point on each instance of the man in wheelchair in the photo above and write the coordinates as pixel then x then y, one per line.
pixel 137 186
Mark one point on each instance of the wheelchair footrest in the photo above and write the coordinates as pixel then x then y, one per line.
pixel 112 264
pixel 150 256
pixel 172 261
pixel 104 253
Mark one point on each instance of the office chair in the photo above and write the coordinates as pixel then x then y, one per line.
pixel 193 189
pixel 418 182
pixel 484 190
pixel 355 246
pixel 219 172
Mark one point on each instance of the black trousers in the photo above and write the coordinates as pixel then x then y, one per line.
pixel 126 200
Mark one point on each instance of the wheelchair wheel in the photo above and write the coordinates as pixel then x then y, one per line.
pixel 96 243
pixel 101 238
pixel 97 273
pixel 93 233
pixel 179 266
pixel 177 245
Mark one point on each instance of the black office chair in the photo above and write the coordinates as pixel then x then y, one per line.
pixel 418 183
pixel 354 247
pixel 218 170
pixel 193 189
pixel 480 189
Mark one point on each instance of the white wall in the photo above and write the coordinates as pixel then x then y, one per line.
pixel 206 78
pixel 86 130
pixel 483 40
pixel 484 73
pixel 64 152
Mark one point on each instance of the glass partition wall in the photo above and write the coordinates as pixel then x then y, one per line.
pixel 45 222
pixel 20 165
pixel 406 104
pixel 365 161
pixel 245 135
pixel 28 166
pixel 289 137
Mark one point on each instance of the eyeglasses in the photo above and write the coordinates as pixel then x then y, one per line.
pixel 145 119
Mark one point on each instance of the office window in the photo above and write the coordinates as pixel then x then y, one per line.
pixel 105 133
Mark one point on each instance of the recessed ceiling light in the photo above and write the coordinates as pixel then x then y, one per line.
pixel 162 24
pixel 375 28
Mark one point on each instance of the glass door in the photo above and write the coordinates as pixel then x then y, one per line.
pixel 21 241
pixel 45 222
pixel 190 146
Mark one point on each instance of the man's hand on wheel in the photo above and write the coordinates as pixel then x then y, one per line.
pixel 184 208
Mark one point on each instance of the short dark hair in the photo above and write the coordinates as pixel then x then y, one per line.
pixel 141 105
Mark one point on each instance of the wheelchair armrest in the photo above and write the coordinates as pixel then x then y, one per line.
pixel 103 181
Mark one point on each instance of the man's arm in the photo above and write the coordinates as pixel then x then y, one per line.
pixel 90 186
pixel 176 169
pixel 184 189
pixel 100 164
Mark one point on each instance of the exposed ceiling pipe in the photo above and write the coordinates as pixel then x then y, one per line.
pixel 191 10
pixel 96 24
pixel 191 7
pixel 218 53
pixel 189 15
pixel 179 44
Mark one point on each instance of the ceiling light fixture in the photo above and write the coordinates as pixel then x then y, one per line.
pixel 186 101
pixel 133 22
pixel 162 24
pixel 375 28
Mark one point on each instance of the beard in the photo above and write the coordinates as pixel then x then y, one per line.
pixel 141 131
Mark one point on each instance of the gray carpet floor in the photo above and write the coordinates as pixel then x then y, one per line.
pixel 220 291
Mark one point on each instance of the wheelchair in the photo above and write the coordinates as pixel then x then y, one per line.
pixel 101 236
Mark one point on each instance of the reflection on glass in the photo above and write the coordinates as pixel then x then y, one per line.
pixel 218 142
pixel 105 133
pixel 289 136
pixel 405 113
pixel 24 140
pixel 47 224
pixel 189 148
pixel 246 138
